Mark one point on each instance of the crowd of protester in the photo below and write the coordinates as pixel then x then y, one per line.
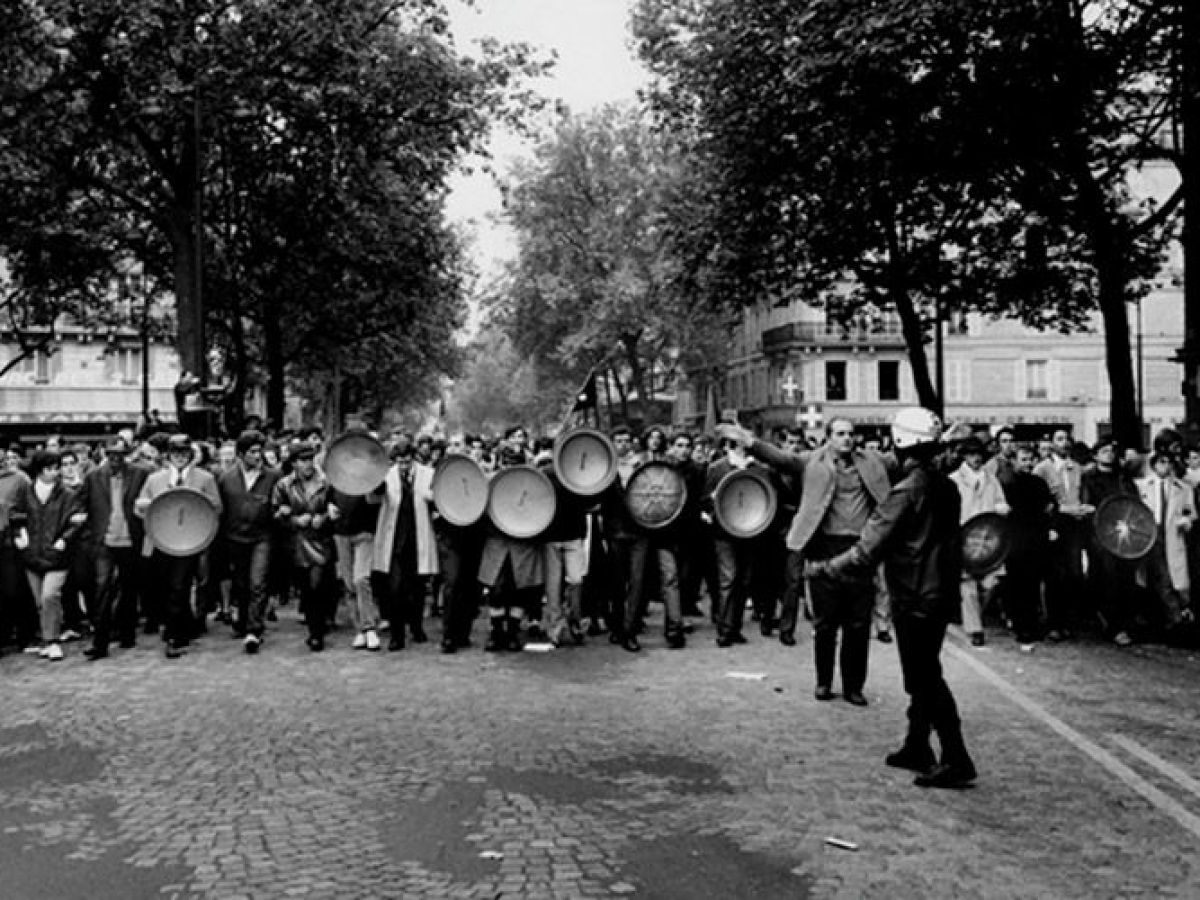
pixel 76 562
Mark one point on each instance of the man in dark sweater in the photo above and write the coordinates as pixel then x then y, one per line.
pixel 246 491
pixel 1031 513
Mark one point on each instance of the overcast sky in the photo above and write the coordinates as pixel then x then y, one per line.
pixel 596 65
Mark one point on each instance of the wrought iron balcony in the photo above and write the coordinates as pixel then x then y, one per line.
pixel 797 335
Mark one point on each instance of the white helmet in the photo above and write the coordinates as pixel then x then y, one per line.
pixel 915 425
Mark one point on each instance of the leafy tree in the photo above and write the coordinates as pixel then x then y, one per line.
pixel 595 284
pixel 912 155
pixel 263 122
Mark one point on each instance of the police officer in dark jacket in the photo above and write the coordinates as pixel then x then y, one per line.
pixel 914 532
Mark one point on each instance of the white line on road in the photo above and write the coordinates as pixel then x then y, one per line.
pixel 1115 767
pixel 1172 771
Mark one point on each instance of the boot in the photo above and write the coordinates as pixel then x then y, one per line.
pixel 512 632
pixel 497 639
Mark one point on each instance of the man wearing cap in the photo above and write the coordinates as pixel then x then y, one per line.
pixel 301 502
pixel 915 533
pixel 246 490
pixel 841 486
pixel 108 495
pixel 177 572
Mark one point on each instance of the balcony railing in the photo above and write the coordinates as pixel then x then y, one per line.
pixel 824 334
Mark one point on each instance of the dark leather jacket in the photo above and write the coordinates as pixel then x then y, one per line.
pixel 914 532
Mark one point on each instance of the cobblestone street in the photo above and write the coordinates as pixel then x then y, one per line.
pixel 587 772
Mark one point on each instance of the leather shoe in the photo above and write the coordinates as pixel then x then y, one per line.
pixel 631 644
pixel 884 637
pixel 916 759
pixel 315 644
pixel 855 698
pixel 419 636
pixel 724 641
pixel 948 775
pixel 788 640
pixel 396 643
pixel 127 644
pixel 676 640
pixel 614 638
pixel 94 653
pixel 737 637
pixel 173 650
pixel 449 645
pixel 823 692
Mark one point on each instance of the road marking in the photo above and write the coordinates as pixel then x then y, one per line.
pixel 1172 771
pixel 1115 767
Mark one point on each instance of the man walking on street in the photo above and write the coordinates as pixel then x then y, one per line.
pixel 246 492
pixel 107 495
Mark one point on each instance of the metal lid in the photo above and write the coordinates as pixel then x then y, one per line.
pixel 1125 526
pixel 460 490
pixel 655 495
pixel 356 463
pixel 585 461
pixel 521 501
pixel 986 540
pixel 744 502
pixel 182 521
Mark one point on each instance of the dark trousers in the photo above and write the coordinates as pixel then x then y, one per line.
pixel 769 574
pixel 116 592
pixel 458 558
pixel 1064 576
pixel 629 571
pixel 846 605
pixel 401 594
pixel 250 566
pixel 318 596
pixel 1169 603
pixel 931 706
pixel 79 595
pixel 151 579
pixel 734 573
pixel 178 573
pixel 18 611
pixel 697 565
pixel 1114 589
pixel 793 589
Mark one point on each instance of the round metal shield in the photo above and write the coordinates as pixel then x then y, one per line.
pixel 744 503
pixel 655 494
pixel 521 501
pixel 1125 526
pixel 585 461
pixel 986 541
pixel 181 521
pixel 460 490
pixel 356 463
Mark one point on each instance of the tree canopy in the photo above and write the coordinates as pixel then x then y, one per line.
pixel 924 155
pixel 312 142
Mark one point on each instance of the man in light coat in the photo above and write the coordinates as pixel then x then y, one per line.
pixel 980 492
pixel 1166 567
pixel 841 486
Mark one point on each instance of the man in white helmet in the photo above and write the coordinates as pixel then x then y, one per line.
pixel 914 532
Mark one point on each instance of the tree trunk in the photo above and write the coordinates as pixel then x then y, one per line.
pixel 914 339
pixel 1189 61
pixel 622 397
pixel 276 365
pixel 189 313
pixel 637 375
pixel 1108 250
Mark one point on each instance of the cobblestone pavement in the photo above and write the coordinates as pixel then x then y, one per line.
pixel 587 772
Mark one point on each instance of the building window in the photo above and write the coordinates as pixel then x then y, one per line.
pixel 1037 379
pixel 889 379
pixel 127 365
pixel 835 381
pixel 36 364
